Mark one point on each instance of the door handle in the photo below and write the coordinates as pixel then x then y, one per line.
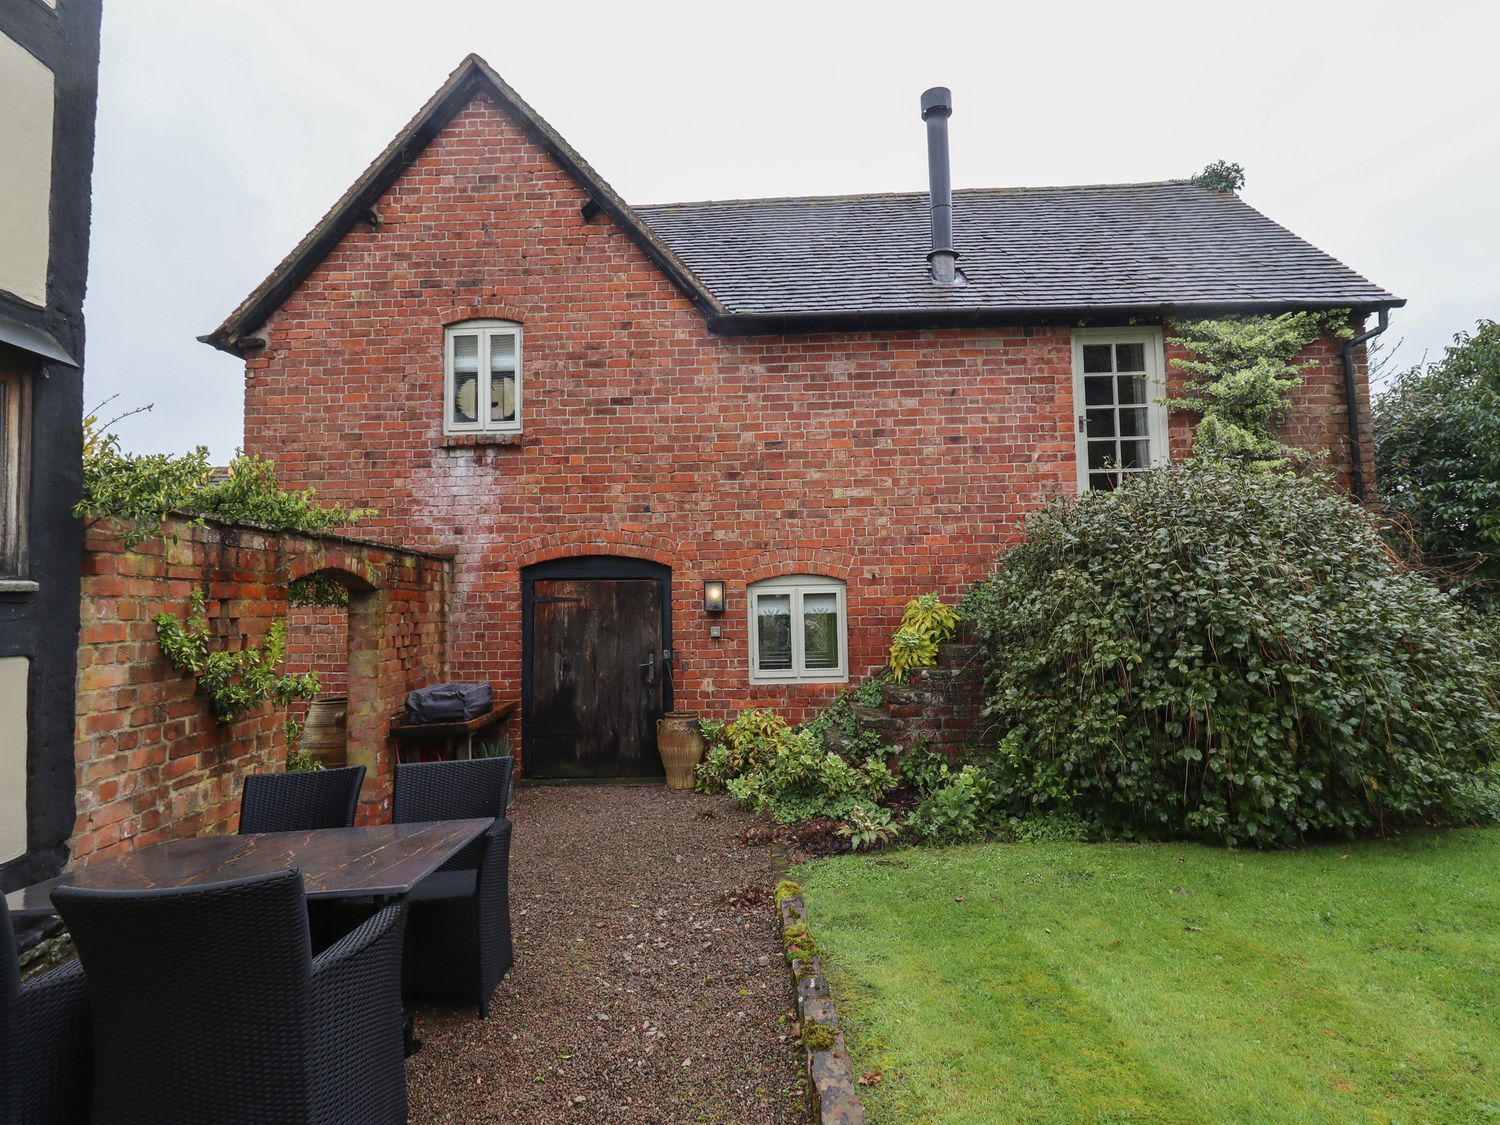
pixel 650 666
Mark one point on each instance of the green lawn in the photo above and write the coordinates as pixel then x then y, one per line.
pixel 1102 982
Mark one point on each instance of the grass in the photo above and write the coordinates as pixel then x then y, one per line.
pixel 1169 983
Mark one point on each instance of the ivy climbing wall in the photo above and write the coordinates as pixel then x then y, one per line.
pixel 151 761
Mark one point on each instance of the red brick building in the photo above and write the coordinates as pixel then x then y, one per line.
pixel 605 408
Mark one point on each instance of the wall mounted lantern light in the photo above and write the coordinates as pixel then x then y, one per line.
pixel 713 596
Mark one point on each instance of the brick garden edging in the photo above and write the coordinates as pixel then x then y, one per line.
pixel 828 1070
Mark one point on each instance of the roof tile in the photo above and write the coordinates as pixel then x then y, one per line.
pixel 1108 246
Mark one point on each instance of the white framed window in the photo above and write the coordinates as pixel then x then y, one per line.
pixel 482 377
pixel 798 630
pixel 1118 387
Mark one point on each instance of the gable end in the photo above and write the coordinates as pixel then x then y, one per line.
pixel 473 77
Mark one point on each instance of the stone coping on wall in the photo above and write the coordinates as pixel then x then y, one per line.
pixel 440 554
pixel 829 1072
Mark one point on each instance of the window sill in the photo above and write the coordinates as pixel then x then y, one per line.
pixel 458 441
pixel 796 681
pixel 18 586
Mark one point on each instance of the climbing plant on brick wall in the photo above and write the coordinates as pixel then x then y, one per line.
pixel 233 681
pixel 1243 370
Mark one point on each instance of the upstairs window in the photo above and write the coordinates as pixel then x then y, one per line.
pixel 1118 390
pixel 798 630
pixel 482 380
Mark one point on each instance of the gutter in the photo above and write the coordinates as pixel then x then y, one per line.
pixel 1015 316
pixel 1351 401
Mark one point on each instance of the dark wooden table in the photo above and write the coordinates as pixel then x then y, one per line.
pixel 452 733
pixel 377 860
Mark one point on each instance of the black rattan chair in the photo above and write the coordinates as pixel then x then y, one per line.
pixel 44 1040
pixel 208 1007
pixel 300 802
pixel 458 938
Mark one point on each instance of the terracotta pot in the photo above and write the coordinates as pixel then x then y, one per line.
pixel 680 744
pixel 325 734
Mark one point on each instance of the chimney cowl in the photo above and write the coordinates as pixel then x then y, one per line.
pixel 937 107
pixel 939 99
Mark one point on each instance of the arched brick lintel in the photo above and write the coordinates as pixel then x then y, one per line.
pixel 350 567
pixel 450 315
pixel 776 564
pixel 604 541
pixel 345 577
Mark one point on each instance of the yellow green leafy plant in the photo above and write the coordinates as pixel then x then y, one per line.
pixel 926 624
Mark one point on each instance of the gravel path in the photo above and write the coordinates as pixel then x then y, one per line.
pixel 647 985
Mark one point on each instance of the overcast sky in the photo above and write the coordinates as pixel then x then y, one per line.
pixel 228 127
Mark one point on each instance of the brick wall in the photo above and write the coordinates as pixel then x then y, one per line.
pixel 151 761
pixel 899 462
pixel 317 640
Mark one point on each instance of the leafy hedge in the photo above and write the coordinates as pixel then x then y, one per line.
pixel 143 490
pixel 1437 459
pixel 1213 653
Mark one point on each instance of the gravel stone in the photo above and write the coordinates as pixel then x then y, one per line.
pixel 648 984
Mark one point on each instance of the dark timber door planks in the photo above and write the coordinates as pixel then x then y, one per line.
pixel 596 677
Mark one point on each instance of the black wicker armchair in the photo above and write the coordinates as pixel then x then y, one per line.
pixel 208 1007
pixel 297 802
pixel 458 937
pixel 44 1041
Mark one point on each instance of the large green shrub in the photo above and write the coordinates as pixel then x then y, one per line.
pixel 1228 655
pixel 1437 458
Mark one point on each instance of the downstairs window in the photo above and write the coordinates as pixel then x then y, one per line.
pixel 798 630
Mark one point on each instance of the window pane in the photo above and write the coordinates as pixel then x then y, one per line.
pixel 502 378
pixel 1101 423
pixel 1102 455
pixel 503 398
pixel 465 355
pixel 1098 392
pixel 1133 422
pixel 773 632
pixel 465 379
pixel 1095 358
pixel 1130 357
pixel 1135 455
pixel 820 622
pixel 1132 388
pixel 502 352
pixel 1102 481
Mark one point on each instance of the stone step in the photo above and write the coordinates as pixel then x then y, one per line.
pixel 956 655
pixel 899 695
pixel 877 720
pixel 937 677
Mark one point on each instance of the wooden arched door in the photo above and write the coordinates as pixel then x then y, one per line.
pixel 596 643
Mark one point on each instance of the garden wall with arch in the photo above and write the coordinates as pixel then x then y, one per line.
pixel 151 761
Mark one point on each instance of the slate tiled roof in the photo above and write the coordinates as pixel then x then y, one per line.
pixel 1114 246
pixel 765 265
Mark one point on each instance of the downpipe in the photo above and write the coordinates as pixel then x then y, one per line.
pixel 1351 400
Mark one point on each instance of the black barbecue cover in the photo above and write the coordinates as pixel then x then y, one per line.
pixel 449 703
